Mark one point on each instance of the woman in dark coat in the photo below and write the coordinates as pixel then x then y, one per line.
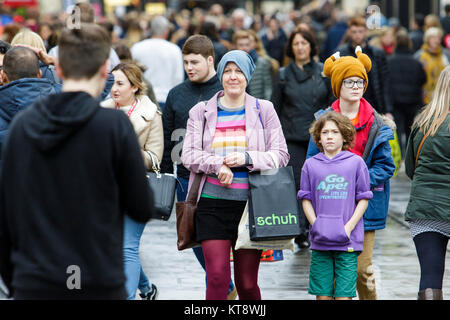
pixel 406 91
pixel 428 210
pixel 300 90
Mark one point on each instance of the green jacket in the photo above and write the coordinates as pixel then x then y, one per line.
pixel 430 188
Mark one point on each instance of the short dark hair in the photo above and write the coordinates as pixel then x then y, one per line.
pixel 82 51
pixel 308 37
pixel 343 123
pixel 4 47
pixel 447 8
pixel 199 44
pixel 19 63
pixel 402 40
pixel 420 20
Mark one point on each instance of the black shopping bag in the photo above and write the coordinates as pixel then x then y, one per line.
pixel 163 186
pixel 273 208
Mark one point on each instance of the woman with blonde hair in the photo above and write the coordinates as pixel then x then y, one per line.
pixel 34 40
pixel 427 163
pixel 128 95
pixel 434 59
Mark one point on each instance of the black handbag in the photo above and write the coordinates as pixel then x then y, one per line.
pixel 163 186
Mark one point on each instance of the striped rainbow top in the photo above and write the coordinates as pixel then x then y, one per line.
pixel 229 137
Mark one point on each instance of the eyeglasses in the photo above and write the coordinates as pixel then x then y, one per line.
pixel 349 84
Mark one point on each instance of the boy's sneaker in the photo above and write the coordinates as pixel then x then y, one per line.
pixel 152 295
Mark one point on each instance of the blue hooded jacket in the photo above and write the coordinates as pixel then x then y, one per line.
pixel 19 95
pixel 381 167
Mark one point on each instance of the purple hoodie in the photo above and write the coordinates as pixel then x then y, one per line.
pixel 334 187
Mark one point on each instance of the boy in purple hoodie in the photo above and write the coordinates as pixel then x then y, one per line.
pixel 335 189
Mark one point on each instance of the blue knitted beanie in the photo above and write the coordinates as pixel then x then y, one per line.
pixel 242 59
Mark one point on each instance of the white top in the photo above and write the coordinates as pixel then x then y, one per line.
pixel 164 63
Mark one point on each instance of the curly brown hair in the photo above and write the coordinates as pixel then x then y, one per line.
pixel 343 123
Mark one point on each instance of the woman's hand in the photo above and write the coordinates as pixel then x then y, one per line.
pixel 235 159
pixel 225 176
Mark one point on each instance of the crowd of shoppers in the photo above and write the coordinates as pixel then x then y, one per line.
pixel 301 79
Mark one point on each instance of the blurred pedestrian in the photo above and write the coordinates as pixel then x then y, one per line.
pixel 223 141
pixel 128 95
pixel 22 86
pixel 260 85
pixel 4 47
pixel 349 81
pixel 34 40
pixel 64 241
pixel 299 91
pixel 210 30
pixel 445 20
pixel 124 54
pixel 406 92
pixel 427 163
pixel 377 93
pixel 201 85
pixel 416 31
pixel 337 232
pixel 84 11
pixel 274 40
pixel 434 59
pixel 163 59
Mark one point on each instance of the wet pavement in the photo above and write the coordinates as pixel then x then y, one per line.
pixel 179 276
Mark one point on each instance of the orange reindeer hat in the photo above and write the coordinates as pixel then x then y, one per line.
pixel 339 68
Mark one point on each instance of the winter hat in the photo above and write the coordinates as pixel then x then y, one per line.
pixel 339 68
pixel 242 59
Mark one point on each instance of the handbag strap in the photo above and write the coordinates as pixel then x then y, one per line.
pixel 193 191
pixel 420 147
pixel 155 164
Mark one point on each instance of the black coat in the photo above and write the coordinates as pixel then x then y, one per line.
pixel 377 92
pixel 70 171
pixel 298 95
pixel 407 79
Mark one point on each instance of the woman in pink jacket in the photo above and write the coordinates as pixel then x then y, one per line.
pixel 228 136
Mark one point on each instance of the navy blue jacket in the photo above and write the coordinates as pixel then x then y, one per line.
pixel 18 95
pixel 381 167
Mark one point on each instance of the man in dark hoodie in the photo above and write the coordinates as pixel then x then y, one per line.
pixel 71 169
pixel 23 85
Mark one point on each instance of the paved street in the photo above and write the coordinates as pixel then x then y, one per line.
pixel 179 276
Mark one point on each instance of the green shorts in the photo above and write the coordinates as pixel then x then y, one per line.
pixel 333 273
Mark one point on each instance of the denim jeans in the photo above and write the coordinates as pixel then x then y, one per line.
pixel 181 196
pixel 135 276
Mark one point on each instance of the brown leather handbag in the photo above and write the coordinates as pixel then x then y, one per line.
pixel 186 217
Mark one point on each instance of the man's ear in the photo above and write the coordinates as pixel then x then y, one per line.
pixel 104 69
pixel 58 70
pixel 4 77
pixel 210 60
pixel 39 75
